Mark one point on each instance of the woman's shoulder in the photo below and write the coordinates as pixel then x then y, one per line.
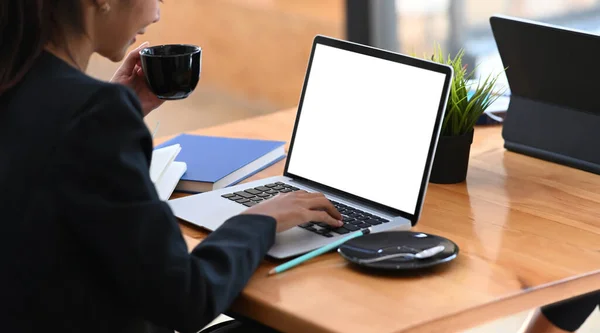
pixel 63 105
pixel 99 96
pixel 110 97
pixel 54 89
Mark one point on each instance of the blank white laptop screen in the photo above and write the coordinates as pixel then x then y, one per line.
pixel 366 125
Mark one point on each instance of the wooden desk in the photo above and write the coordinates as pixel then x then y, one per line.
pixel 528 231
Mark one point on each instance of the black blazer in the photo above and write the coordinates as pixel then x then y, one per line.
pixel 86 245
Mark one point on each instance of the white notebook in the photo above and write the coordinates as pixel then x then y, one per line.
pixel 165 173
pixel 169 180
pixel 161 159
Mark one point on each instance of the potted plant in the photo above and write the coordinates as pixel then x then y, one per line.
pixel 467 101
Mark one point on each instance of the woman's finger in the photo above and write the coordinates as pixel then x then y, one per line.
pixel 322 203
pixel 321 216
pixel 307 195
pixel 137 70
pixel 136 52
pixel 133 58
pixel 300 193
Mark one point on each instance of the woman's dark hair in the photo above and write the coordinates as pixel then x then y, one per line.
pixel 26 26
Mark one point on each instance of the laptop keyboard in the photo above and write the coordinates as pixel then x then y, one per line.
pixel 252 196
pixel 354 219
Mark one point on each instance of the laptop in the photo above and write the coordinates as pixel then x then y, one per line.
pixel 365 135
pixel 554 110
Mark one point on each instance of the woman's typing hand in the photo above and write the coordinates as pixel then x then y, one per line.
pixel 294 208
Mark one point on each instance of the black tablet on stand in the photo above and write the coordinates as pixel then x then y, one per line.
pixel 554 79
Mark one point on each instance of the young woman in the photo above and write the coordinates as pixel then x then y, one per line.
pixel 86 244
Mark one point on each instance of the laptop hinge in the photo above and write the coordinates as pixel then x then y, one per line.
pixel 326 190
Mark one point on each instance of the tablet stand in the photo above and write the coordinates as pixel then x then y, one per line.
pixel 557 134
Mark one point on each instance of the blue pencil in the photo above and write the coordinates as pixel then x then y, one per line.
pixel 319 251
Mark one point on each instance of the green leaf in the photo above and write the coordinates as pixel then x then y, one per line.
pixel 462 113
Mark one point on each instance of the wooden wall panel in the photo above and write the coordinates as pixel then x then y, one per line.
pixel 254 49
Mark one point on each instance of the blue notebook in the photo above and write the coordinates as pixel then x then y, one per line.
pixel 217 162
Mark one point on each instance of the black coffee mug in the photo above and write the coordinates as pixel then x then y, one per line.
pixel 172 71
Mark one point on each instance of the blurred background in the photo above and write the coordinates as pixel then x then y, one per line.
pixel 255 51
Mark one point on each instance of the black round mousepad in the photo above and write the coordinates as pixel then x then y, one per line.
pixel 360 249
